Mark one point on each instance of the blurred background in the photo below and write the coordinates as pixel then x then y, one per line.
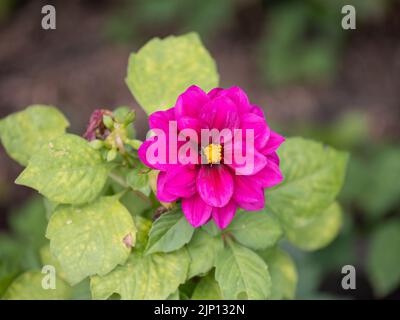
pixel 293 58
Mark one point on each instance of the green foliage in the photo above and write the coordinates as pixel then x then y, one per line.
pixel 382 191
pixel 384 258
pixel 91 239
pixel 207 289
pixel 314 175
pixel 242 274
pixel 28 286
pixel 202 16
pixel 163 69
pixel 66 170
pixel 24 133
pixel 283 273
pixel 170 232
pixel 29 222
pixel 288 55
pixel 256 230
pixel 138 180
pixel 155 276
pixel 109 235
pixel 319 232
pixel 203 250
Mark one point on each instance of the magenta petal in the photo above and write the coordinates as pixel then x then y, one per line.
pixel 162 193
pixel 161 119
pixel 181 181
pixel 257 110
pixel 240 98
pixel 191 123
pixel 255 161
pixel 248 194
pixel 220 113
pixel 223 216
pixel 251 121
pixel 274 141
pixel 215 185
pixel 214 92
pixel 196 211
pixel 190 102
pixel 270 176
pixel 274 158
pixel 142 154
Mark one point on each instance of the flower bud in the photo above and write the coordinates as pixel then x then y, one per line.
pixel 96 144
pixel 108 122
pixel 134 143
pixel 111 155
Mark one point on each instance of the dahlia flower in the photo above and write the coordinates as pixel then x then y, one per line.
pixel 216 183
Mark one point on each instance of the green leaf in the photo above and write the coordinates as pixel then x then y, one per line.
pixel 283 273
pixel 382 190
pixel 383 259
pixel 314 175
pixel 91 239
pixel 66 170
pixel 242 274
pixel 23 133
pixel 48 259
pixel 139 181
pixel 256 230
pixel 207 289
pixel 319 232
pixel 29 222
pixel 174 296
pixel 143 277
pixel 143 226
pixel 203 250
pixel 28 286
pixel 163 69
pixel 171 231
pixel 211 228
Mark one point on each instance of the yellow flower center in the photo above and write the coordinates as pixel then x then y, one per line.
pixel 213 153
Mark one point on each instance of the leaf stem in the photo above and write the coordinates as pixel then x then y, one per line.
pixel 118 180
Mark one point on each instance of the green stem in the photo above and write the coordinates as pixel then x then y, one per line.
pixel 118 180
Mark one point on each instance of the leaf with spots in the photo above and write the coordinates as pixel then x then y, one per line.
pixel 91 239
pixel 28 286
pixel 164 68
pixel 314 174
pixel 66 170
pixel 23 133
pixel 319 232
pixel 144 277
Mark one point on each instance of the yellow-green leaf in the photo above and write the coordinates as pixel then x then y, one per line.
pixel 242 274
pixel 144 277
pixel 66 170
pixel 163 68
pixel 23 133
pixel 207 289
pixel 313 176
pixel 28 286
pixel 283 273
pixel 92 239
pixel 319 232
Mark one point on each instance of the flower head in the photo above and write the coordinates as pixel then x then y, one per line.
pixel 218 181
pixel 96 128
